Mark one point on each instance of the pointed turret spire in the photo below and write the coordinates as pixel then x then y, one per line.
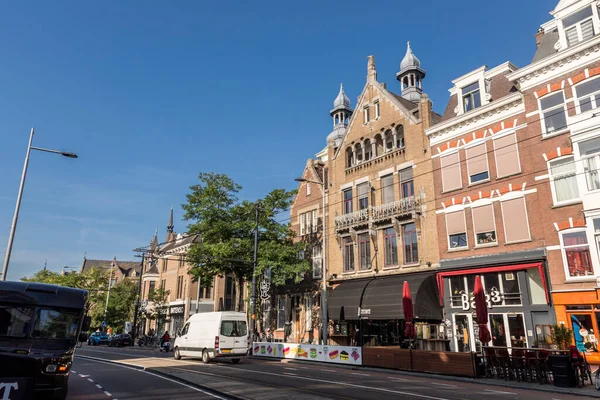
pixel 170 226
pixel 154 241
pixel 411 76
pixel 341 114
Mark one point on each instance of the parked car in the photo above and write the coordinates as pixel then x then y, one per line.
pixel 97 338
pixel 120 340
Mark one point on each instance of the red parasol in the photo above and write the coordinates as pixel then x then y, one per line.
pixel 482 312
pixel 409 314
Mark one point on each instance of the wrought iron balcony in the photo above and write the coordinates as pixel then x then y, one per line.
pixel 352 219
pixel 397 208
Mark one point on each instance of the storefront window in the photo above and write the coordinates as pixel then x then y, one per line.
pixel 498 330
pixel 516 327
pixel 510 283
pixel 502 289
pixel 536 287
pixel 583 331
pixel 457 285
pixel 461 329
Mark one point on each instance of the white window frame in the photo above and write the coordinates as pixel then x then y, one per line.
pixel 377 109
pixel 317 261
pixel 450 248
pixel 494 138
pixel 315 217
pixel 526 217
pixel 592 95
pixel 583 159
pixel 308 303
pixel 475 231
pixel 280 300
pixel 487 161
pixel 577 26
pixel 308 218
pixel 551 179
pixel 302 226
pixel 308 188
pixel 563 252
pixel 366 115
pixel 545 133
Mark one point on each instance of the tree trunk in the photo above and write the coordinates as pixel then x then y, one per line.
pixel 240 293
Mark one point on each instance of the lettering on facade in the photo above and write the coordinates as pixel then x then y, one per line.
pixel 177 310
pixel 265 286
pixel 493 298
pixel 7 387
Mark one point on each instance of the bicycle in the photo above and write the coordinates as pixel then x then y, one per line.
pixel 583 371
pixel 597 379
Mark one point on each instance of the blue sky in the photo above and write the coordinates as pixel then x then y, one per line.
pixel 150 93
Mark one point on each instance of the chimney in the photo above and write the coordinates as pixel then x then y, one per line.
pixel 538 38
pixel 425 111
pixel 371 71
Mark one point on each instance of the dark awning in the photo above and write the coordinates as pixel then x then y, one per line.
pixel 345 300
pixel 383 297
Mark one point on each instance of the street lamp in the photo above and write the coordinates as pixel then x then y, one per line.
pixel 13 227
pixel 324 320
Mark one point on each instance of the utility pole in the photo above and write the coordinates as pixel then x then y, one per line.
pixel 109 285
pixel 253 300
pixel 198 295
pixel 137 301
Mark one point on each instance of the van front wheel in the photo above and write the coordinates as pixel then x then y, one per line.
pixel 205 357
pixel 177 355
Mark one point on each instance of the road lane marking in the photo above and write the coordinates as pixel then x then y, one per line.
pixel 83 376
pixel 422 396
pixel 399 379
pixel 358 373
pixel 107 393
pixel 143 370
pixel 328 370
pixel 443 384
pixel 291 369
pixel 498 391
pixel 98 386
pixel 289 373
pixel 73 371
pixel 91 380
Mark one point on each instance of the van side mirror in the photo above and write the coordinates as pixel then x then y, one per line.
pixel 178 332
pixel 87 321
pixel 83 337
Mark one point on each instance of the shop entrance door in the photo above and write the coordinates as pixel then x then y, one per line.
pixel 465 339
pixel 584 330
pixel 508 330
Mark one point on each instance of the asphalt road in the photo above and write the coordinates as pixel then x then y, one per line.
pixel 264 380
pixel 93 380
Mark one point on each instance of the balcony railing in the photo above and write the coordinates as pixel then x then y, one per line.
pixel 398 208
pixel 352 219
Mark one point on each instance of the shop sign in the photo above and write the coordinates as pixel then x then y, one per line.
pixel 364 313
pixel 492 298
pixel 177 310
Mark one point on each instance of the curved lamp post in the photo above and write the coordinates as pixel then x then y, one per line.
pixel 13 226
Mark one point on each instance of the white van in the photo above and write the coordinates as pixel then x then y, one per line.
pixel 213 335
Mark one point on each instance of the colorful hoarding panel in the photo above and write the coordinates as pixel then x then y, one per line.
pixel 309 352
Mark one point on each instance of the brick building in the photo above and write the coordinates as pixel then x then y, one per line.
pixel 166 267
pixel 379 190
pixel 561 89
pixel 117 270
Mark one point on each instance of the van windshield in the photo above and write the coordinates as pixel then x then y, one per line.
pixel 234 328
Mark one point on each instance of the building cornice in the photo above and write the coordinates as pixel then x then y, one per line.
pixel 477 118
pixel 554 62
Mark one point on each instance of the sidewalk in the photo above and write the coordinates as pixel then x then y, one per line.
pixel 586 391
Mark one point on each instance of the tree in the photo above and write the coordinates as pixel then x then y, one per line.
pixel 226 226
pixel 121 304
pixel 94 280
pixel 157 306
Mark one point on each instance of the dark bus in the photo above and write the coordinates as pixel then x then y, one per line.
pixel 40 326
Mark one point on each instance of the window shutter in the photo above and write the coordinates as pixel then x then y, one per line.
pixel 455 222
pixel 483 219
pixel 387 187
pixel 363 189
pixel 572 36
pixel 587 29
pixel 514 214
pixel 406 174
pixel 477 159
pixel 507 155
pixel 451 178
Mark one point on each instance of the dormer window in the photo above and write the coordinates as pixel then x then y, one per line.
pixel 578 26
pixel 471 97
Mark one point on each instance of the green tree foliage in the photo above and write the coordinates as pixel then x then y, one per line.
pixel 157 306
pixel 226 226
pixel 121 304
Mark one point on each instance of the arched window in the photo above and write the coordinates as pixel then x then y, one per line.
pixel 349 159
pixel 405 82
pixel 378 146
pixel 388 140
pixel 400 137
pixel 368 150
pixel 359 154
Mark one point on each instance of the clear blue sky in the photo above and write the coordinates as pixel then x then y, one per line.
pixel 150 93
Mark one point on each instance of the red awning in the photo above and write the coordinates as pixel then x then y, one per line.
pixel 502 268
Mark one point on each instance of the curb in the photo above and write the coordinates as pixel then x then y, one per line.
pixel 166 375
pixel 549 388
